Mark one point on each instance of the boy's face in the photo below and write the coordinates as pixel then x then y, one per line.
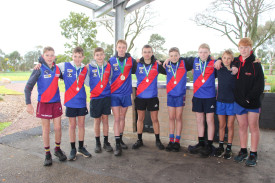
pixel 147 53
pixel 245 51
pixel 227 59
pixel 99 57
pixel 77 58
pixel 121 49
pixel 203 53
pixel 174 56
pixel 49 57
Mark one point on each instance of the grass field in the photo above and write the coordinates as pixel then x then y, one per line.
pixel 5 91
pixel 16 76
pixel 4 125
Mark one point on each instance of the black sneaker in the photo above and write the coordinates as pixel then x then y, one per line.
pixel 61 155
pixel 138 144
pixel 169 147
pixel 123 145
pixel 207 151
pixel 252 160
pixel 228 154
pixel 84 152
pixel 176 147
pixel 219 152
pixel 195 149
pixel 118 150
pixel 160 145
pixel 241 156
pixel 48 160
pixel 72 156
pixel 98 148
pixel 107 146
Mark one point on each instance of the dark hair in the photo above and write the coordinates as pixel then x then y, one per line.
pixel 147 46
pixel 98 49
pixel 78 49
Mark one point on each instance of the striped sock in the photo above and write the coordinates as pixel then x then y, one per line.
pixel 178 139
pixel 171 137
pixel 229 146
pixel 47 150
pixel 57 146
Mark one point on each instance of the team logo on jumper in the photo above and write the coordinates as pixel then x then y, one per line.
pixel 197 66
pixel 47 76
pixel 69 70
pixel 46 72
pixel 94 74
pixel 248 74
pixel 57 75
pixel 69 74
pixel 141 70
pixel 94 70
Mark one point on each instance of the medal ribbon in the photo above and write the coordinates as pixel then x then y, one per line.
pixel 147 73
pixel 77 76
pixel 98 71
pixel 202 71
pixel 174 73
pixel 121 67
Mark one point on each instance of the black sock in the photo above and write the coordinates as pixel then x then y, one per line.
pixel 73 145
pixel 121 134
pixel 80 144
pixel 210 142
pixel 229 146
pixel 221 144
pixel 97 140
pixel 201 141
pixel 117 140
pixel 105 139
pixel 157 137
pixel 253 153
pixel 244 150
pixel 140 136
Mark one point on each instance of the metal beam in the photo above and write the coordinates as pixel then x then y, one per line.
pixel 137 5
pixel 104 9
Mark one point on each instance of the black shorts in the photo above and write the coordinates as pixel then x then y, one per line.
pixel 101 106
pixel 74 112
pixel 151 104
pixel 206 105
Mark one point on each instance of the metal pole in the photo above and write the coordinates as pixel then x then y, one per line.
pixel 119 22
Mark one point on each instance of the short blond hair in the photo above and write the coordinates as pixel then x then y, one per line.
pixel 204 45
pixel 174 49
pixel 48 48
pixel 228 52
pixel 121 41
pixel 246 41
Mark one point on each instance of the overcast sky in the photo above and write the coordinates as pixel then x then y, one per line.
pixel 29 23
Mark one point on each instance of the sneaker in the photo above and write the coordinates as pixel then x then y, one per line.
pixel 72 156
pixel 48 160
pixel 160 145
pixel 138 144
pixel 241 156
pixel 176 147
pixel 123 145
pixel 228 154
pixel 207 151
pixel 195 149
pixel 98 148
pixel 107 146
pixel 84 152
pixel 118 150
pixel 219 152
pixel 61 155
pixel 169 147
pixel 252 160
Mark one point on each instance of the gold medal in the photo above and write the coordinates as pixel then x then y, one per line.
pixel 122 77
pixel 147 80
pixel 77 88
pixel 101 86
pixel 175 82
pixel 203 81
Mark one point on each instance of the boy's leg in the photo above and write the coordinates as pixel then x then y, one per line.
pixel 222 125
pixel 122 116
pixel 58 133
pixel 200 123
pixel 172 118
pixel 140 122
pixel 72 126
pixel 97 134
pixel 116 113
pixel 107 146
pixel 155 121
pixel 230 126
pixel 209 149
pixel 46 141
pixel 81 133
pixel 179 111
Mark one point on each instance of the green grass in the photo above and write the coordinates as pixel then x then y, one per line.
pixel 4 125
pixel 271 80
pixel 16 76
pixel 5 91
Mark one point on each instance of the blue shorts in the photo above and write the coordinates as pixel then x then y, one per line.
pixel 122 100
pixel 205 105
pixel 239 110
pixel 175 101
pixel 225 108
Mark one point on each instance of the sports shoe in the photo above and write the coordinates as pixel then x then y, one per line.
pixel 48 160
pixel 160 145
pixel 195 149
pixel 107 146
pixel 84 152
pixel 228 154
pixel 123 145
pixel 61 155
pixel 72 155
pixel 241 156
pixel 118 150
pixel 176 147
pixel 169 147
pixel 98 148
pixel 252 160
pixel 219 152
pixel 207 151
pixel 137 145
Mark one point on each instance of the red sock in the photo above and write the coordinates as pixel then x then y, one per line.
pixel 57 146
pixel 47 150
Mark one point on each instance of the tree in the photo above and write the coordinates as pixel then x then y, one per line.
pixel 108 50
pixel 157 42
pixel 3 62
pixel 14 60
pixel 236 19
pixel 267 52
pixel 62 58
pixel 30 58
pixel 80 31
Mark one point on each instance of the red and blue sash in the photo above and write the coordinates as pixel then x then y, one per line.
pixel 181 72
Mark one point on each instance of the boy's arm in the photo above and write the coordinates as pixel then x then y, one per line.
pixel 30 84
pixel 189 61
pixel 87 79
pixel 161 69
pixel 134 68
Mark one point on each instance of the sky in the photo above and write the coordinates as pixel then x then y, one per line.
pixel 26 24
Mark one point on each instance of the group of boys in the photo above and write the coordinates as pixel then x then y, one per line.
pixel 111 88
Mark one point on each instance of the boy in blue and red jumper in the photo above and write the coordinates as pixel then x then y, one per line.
pixel 49 106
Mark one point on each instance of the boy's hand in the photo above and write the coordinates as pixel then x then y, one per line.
pixel 137 60
pixel 87 66
pixel 218 64
pixel 158 62
pixel 165 62
pixel 37 67
pixel 234 70
pixel 30 109
pixel 257 60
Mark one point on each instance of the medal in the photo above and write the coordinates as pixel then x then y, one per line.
pixel 147 80
pixel 174 72
pixel 122 77
pixel 101 86
pixel 147 72
pixel 77 88
pixel 77 77
pixel 175 82
pixel 202 70
pixel 100 75
pixel 203 81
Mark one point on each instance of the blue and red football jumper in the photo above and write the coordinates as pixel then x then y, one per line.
pixel 178 89
pixel 121 87
pixel 96 90
pixel 47 84
pixel 74 98
pixel 206 89
pixel 147 89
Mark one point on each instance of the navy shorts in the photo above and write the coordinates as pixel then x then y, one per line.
pixel 122 100
pixel 225 109
pixel 74 112
pixel 239 110
pixel 175 101
pixel 151 104
pixel 206 105
pixel 101 106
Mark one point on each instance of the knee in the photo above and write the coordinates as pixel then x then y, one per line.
pixel 57 128
pixel 72 126
pixel 81 125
